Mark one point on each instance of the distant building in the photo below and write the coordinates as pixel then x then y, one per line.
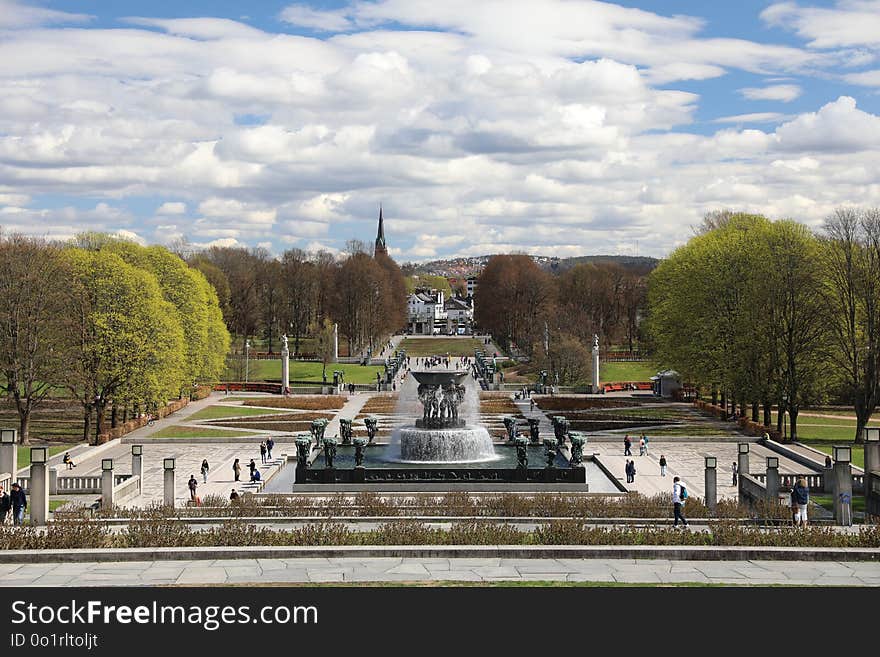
pixel 459 316
pixel 425 312
pixel 471 286
pixel 380 237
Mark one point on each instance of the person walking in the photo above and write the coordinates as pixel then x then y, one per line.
pixel 18 501
pixel 642 446
pixel 679 496
pixel 735 469
pixel 236 470
pixel 204 470
pixel 269 445
pixel 800 498
pixel 662 465
pixel 627 445
pixel 5 505
pixel 193 485
pixel 252 466
pixel 531 405
pixel 645 438
pixel 263 453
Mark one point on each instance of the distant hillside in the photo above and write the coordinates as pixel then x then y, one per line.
pixel 472 266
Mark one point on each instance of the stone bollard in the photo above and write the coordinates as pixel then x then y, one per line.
pixel 168 466
pixel 53 481
pixel 39 486
pixel 9 451
pixel 106 483
pixel 137 464
pixel 872 452
pixel 742 467
pixel 771 480
pixel 711 482
pixel 841 473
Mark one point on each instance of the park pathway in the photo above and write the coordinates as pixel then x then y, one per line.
pixel 255 572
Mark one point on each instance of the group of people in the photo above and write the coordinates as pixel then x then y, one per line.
pixel 14 501
pixel 265 456
pixel 643 445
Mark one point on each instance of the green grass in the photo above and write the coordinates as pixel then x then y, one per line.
pixel 827 501
pixel 220 412
pixel 262 370
pixel 689 430
pixel 419 347
pixel 198 432
pixel 640 370
pixel 54 504
pixel 24 453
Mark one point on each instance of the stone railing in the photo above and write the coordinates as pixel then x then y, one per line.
pixel 751 490
pixel 126 490
pixel 815 481
pixel 5 480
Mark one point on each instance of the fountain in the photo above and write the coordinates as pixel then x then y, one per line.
pixel 440 435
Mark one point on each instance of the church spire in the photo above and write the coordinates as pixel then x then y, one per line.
pixel 380 236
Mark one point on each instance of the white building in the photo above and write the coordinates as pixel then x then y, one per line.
pixel 425 312
pixel 459 316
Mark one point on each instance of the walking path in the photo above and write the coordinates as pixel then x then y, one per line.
pixel 361 570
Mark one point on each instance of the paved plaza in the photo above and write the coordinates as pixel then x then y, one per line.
pixel 427 571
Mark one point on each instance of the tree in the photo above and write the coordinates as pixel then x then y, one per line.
pixel 299 285
pixel 851 256
pixel 33 285
pixel 324 344
pixel 126 341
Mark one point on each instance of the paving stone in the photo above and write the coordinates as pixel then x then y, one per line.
pixel 408 569
pixel 493 572
pixel 590 576
pixel 455 576
pixel 202 576
pixel 321 576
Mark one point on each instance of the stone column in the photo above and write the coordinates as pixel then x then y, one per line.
pixel 106 483
pixel 595 379
pixel 38 495
pixel 772 479
pixel 9 451
pixel 137 463
pixel 53 481
pixel 841 473
pixel 711 482
pixel 336 343
pixel 742 467
pixel 872 458
pixel 169 484
pixel 285 368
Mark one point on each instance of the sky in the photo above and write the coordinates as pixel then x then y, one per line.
pixel 551 127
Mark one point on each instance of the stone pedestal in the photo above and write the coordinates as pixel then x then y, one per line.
pixel 772 483
pixel 872 458
pixel 595 378
pixel 285 370
pixel 9 458
pixel 742 468
pixel 841 474
pixel 107 489
pixel 53 481
pixel 38 494
pixel 169 488
pixel 336 343
pixel 711 485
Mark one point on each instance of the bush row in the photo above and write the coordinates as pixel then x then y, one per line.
pixel 544 505
pixel 164 532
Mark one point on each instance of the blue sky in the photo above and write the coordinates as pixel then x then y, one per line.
pixel 559 127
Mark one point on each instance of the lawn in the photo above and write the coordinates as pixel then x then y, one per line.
pixel 419 347
pixel 24 453
pixel 639 370
pixel 270 370
pixel 220 412
pixel 858 502
pixel 198 432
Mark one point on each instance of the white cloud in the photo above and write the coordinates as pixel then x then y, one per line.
pixel 837 127
pixel 172 208
pixel 849 23
pixel 782 92
pixel 16 14
pixel 757 117
pixel 865 78
pixel 324 21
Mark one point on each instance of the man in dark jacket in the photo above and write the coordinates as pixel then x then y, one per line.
pixel 800 498
pixel 19 504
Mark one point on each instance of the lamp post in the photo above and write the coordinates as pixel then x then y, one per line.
pixel 247 349
pixel 107 483
pixel 39 485
pixel 168 492
pixel 842 474
pixel 872 451
pixel 711 482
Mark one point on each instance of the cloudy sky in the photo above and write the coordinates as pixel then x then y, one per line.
pixel 558 127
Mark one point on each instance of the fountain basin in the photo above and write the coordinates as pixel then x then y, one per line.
pixel 466 444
